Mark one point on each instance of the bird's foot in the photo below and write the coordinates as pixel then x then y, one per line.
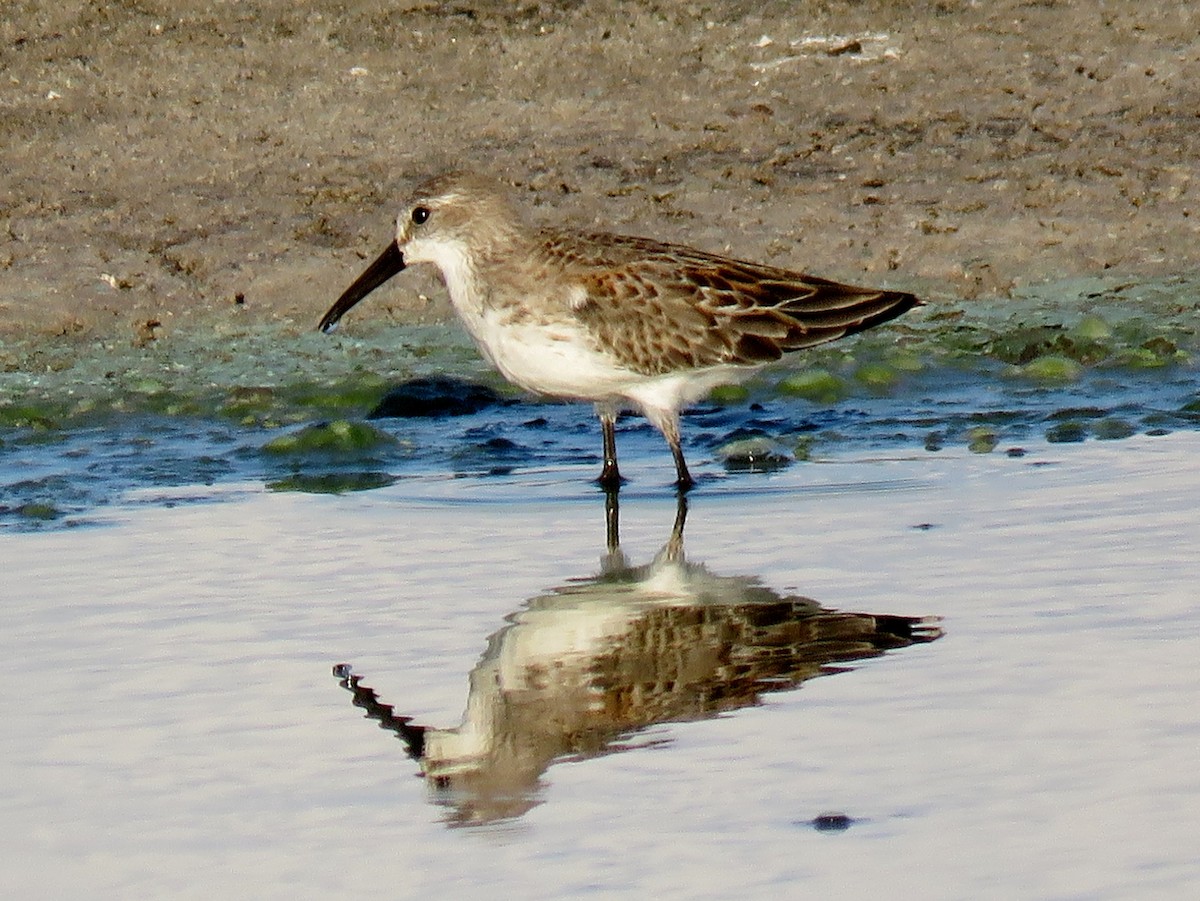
pixel 610 478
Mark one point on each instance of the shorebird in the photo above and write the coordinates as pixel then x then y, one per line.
pixel 578 669
pixel 620 321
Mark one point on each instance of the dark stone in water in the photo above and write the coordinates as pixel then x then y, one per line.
pixel 831 822
pixel 500 444
pixel 754 452
pixel 1069 432
pixel 1113 428
pixel 435 396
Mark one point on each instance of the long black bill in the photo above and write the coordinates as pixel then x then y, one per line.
pixel 388 264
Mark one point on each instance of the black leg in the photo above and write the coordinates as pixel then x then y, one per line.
pixel 610 476
pixel 613 560
pixel 674 548
pixel 612 521
pixel 683 478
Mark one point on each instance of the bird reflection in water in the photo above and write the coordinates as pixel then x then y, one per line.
pixel 582 668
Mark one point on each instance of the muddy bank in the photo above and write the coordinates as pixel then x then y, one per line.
pixel 175 167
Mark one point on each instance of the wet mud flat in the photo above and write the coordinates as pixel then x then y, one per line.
pixel 166 161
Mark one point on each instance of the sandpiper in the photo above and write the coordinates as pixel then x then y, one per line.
pixel 619 321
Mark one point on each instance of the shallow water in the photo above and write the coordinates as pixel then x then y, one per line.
pixel 257 656
pixel 173 726
pixel 81 422
pixel 67 474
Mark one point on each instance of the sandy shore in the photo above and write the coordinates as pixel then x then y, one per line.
pixel 171 161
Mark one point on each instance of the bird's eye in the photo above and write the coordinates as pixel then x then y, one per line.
pixel 420 214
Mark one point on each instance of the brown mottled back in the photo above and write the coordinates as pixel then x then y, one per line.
pixel 662 307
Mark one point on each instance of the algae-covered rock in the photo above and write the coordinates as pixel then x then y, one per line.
pixel 1141 358
pixel 248 404
pixel 1091 327
pixel 342 437
pixel 359 391
pixel 818 385
pixel 38 511
pixel 729 394
pixel 1070 432
pixel 877 376
pixel 982 440
pixel 1112 428
pixel 27 416
pixel 905 361
pixel 1052 368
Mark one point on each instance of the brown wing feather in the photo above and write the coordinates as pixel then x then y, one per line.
pixel 662 307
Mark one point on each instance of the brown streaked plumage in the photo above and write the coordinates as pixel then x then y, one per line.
pixel 619 321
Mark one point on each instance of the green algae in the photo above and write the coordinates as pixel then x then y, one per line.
pixel 267 375
pixel 1091 328
pixel 29 416
pixel 802 448
pixel 341 437
pixel 249 405
pixel 878 377
pixel 818 385
pixel 982 439
pixel 361 390
pixel 43 512
pixel 262 375
pixel 1096 360
pixel 1070 431
pixel 903 360
pixel 729 394
pixel 1142 358
pixel 1113 428
pixel 1052 368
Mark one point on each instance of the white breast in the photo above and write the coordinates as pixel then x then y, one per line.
pixel 554 359
pixel 544 353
